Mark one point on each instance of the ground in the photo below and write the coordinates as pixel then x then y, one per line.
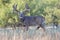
pixel 31 34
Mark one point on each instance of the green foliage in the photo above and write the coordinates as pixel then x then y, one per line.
pixel 38 7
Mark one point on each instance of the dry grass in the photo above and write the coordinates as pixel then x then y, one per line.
pixel 49 34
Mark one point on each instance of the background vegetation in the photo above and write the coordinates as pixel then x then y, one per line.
pixel 38 7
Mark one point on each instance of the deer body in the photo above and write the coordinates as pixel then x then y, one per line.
pixel 32 21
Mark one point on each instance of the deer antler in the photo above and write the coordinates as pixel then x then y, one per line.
pixel 15 7
pixel 26 6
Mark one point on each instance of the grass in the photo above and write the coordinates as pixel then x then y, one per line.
pixel 31 34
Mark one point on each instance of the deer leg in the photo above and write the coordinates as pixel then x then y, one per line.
pixel 38 27
pixel 26 27
pixel 41 27
pixel 56 25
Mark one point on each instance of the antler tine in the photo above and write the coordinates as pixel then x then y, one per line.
pixel 15 7
pixel 26 6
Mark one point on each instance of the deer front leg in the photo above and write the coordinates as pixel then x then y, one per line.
pixel 26 27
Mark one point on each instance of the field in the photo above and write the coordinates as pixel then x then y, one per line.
pixel 31 34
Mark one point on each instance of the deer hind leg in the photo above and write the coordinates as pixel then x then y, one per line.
pixel 41 27
pixel 55 24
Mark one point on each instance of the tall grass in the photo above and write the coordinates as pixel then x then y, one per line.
pixel 31 34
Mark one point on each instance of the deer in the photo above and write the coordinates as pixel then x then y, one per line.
pixel 30 20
